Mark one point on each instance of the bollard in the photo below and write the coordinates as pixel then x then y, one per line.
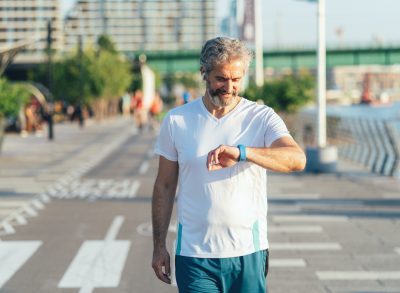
pixel 321 160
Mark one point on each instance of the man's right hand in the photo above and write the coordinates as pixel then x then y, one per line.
pixel 161 264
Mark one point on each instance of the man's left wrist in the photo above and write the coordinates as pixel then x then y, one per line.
pixel 242 153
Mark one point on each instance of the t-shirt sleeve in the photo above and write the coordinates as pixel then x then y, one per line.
pixel 276 128
pixel 165 144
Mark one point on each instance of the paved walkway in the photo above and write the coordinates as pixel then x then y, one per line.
pixel 31 166
pixel 336 233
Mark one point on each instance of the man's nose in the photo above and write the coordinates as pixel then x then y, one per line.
pixel 228 87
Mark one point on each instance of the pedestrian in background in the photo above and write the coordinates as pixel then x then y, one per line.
pixel 218 148
pixel 139 112
pixel 155 111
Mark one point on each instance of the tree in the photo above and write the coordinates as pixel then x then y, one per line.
pixel 113 73
pixel 76 80
pixel 12 98
pixel 287 94
pixel 89 75
pixel 105 43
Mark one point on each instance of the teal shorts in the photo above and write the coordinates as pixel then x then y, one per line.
pixel 243 274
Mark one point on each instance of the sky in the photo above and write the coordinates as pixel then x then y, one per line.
pixel 293 23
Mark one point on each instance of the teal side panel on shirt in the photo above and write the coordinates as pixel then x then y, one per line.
pixel 256 236
pixel 179 240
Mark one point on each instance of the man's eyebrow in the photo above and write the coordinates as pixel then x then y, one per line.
pixel 227 77
pixel 222 76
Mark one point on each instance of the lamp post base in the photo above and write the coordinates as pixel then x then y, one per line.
pixel 321 160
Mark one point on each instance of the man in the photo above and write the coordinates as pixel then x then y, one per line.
pixel 218 147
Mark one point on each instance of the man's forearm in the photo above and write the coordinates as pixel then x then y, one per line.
pixel 284 155
pixel 279 159
pixel 162 205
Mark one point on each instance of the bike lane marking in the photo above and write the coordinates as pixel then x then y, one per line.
pixel 358 275
pixel 99 263
pixel 13 255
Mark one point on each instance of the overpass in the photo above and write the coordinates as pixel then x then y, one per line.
pixel 188 61
pixel 294 59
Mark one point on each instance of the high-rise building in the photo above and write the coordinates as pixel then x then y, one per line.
pixel 27 20
pixel 136 25
pixel 229 25
pixel 239 22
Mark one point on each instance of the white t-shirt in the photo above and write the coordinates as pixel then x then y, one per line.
pixel 220 213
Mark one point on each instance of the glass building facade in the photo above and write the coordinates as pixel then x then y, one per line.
pixel 142 25
pixel 26 21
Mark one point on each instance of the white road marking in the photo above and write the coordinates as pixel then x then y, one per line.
pixel 13 255
pixel 95 189
pixel 287 262
pixel 11 181
pixel 114 229
pixel 358 275
pixel 295 229
pixel 287 184
pixel 37 204
pixel 98 263
pixel 45 198
pixel 293 196
pixel 134 189
pixel 144 167
pixel 12 203
pixel 391 195
pixel 53 191
pixel 8 228
pixel 30 211
pixel 146 229
pixel 305 246
pixel 280 209
pixel 29 189
pixel 20 219
pixel 6 212
pixel 306 218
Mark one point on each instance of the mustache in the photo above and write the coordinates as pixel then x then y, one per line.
pixel 222 91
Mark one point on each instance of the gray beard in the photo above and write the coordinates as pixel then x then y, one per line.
pixel 217 101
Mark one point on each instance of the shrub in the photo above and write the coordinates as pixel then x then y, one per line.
pixel 12 97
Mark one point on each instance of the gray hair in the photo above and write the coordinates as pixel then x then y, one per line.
pixel 220 50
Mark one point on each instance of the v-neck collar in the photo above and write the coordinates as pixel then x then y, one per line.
pixel 219 120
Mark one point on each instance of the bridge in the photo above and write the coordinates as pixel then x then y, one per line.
pixel 188 61
pixel 294 59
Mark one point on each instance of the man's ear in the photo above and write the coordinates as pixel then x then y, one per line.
pixel 203 73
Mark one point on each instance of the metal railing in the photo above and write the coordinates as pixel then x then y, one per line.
pixel 374 143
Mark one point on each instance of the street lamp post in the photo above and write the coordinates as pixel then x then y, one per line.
pixel 258 43
pixel 321 158
pixel 50 109
pixel 79 106
pixel 321 92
